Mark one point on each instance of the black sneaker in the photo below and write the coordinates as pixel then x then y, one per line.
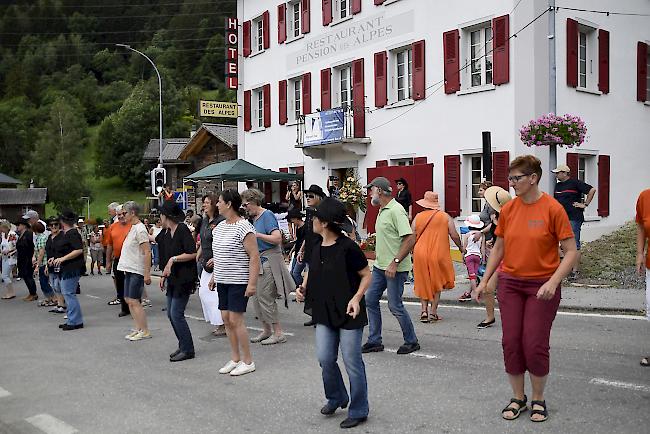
pixel 372 348
pixel 67 327
pixel 58 309
pixel 408 348
pixel 485 324
pixel 467 296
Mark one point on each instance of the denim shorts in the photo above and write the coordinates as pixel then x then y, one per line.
pixel 231 297
pixel 576 226
pixel 55 282
pixel 133 285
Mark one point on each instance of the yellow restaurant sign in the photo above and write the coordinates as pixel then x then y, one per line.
pixel 217 109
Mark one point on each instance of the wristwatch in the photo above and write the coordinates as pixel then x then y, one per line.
pixel 396 260
pixel 173 258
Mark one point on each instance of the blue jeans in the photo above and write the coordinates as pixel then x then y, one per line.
pixel 69 291
pixel 55 282
pixel 576 226
pixel 176 314
pixel 44 282
pixel 296 270
pixel 154 254
pixel 327 346
pixel 395 288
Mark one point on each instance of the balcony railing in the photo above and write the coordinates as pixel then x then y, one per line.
pixel 325 127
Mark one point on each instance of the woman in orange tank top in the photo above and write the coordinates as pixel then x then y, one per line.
pixel 433 270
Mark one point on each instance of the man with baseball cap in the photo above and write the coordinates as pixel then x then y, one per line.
pixel 394 242
pixel 569 191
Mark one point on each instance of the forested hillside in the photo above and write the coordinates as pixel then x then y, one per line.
pixel 62 77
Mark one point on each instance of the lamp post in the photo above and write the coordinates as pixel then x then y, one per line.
pixel 160 141
pixel 87 199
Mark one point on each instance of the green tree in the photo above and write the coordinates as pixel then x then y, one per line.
pixel 56 162
pixel 17 117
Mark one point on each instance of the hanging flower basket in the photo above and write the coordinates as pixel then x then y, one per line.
pixel 551 129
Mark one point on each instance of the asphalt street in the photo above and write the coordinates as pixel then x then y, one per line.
pixel 94 381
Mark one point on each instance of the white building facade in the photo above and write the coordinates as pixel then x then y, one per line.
pixel 421 80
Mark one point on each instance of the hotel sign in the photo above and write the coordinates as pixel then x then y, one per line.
pixel 351 36
pixel 232 41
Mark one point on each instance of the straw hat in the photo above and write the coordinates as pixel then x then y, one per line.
pixel 474 221
pixel 497 197
pixel 429 201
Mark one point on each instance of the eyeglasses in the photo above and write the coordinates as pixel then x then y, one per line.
pixel 121 214
pixel 310 196
pixel 517 178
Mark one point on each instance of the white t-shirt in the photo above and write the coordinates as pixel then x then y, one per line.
pixel 131 257
pixel 231 262
pixel 473 247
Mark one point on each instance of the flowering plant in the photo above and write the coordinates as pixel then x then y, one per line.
pixel 551 129
pixel 368 244
pixel 351 192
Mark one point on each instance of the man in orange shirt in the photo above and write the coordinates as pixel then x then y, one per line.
pixel 643 234
pixel 117 235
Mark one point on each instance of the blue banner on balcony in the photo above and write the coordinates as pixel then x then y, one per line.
pixel 324 127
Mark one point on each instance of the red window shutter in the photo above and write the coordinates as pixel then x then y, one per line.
pixel 300 170
pixel 327 12
pixel 356 6
pixel 641 71
pixel 284 185
pixel 381 163
pixel 500 164
pixel 283 169
pixel 452 185
pixel 572 162
pixel 282 23
pixel 246 38
pixel 266 91
pixel 306 16
pixel 420 160
pixel 266 35
pixel 380 79
pixel 450 44
pixel 268 192
pixel 379 2
pixel 282 101
pixel 358 112
pixel 501 54
pixel 325 89
pixel 603 61
pixel 571 52
pixel 306 93
pixel 603 185
pixel 419 72
pixel 247 110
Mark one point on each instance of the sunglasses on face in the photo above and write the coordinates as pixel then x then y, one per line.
pixel 517 178
pixel 310 196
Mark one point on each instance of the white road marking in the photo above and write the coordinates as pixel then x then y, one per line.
pixel 638 316
pixel 50 424
pixel 4 393
pixel 257 329
pixel 93 296
pixel 620 384
pixel 415 354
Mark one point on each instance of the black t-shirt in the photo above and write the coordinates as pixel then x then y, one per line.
pixel 51 245
pixel 311 238
pixel 207 225
pixel 183 276
pixel 71 241
pixel 404 199
pixel 300 237
pixel 570 191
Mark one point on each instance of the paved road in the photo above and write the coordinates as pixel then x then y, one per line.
pixel 94 381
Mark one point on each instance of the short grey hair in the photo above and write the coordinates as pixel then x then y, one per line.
pixel 253 195
pixel 131 206
pixel 113 206
pixel 118 208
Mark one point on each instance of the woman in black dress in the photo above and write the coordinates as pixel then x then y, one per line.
pixel 404 196
pixel 294 197
pixel 25 253
pixel 334 290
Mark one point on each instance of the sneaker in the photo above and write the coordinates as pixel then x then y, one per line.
pixel 274 339
pixel 140 336
pixel 58 309
pixel 146 302
pixel 242 369
pixel 408 348
pixel 228 367
pixel 371 348
pixel 467 296
pixel 130 335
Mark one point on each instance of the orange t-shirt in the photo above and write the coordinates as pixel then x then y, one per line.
pixel 118 234
pixel 106 235
pixel 643 218
pixel 531 233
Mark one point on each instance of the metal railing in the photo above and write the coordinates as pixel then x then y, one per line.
pixel 347 113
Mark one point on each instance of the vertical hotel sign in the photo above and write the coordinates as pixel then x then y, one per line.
pixel 232 41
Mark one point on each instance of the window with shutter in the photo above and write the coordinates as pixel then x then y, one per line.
pixel 603 185
pixel 380 79
pixel 306 16
pixel 501 55
pixel 420 160
pixel 282 23
pixel 378 2
pixel 356 6
pixel 246 38
pixel 327 12
pixel 451 61
pixel 282 101
pixel 266 27
pixel 358 112
pixel 381 163
pixel 603 61
pixel 306 93
pixel 247 110
pixel 325 89
pixel 296 100
pixel 572 161
pixel 642 76
pixel 266 98
pixel 500 172
pixel 572 52
pixel 452 185
pixel 419 71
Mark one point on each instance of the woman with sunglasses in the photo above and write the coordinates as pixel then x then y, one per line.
pixel 530 228
pixel 53 250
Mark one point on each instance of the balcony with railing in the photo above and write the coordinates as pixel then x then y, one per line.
pixel 339 128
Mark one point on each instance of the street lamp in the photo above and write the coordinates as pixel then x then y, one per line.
pixel 160 141
pixel 87 199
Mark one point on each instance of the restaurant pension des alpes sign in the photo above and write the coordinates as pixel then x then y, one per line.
pixel 232 39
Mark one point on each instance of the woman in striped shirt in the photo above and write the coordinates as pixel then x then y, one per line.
pixel 236 267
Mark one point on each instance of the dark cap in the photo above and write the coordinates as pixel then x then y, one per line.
pixel 22 221
pixel 316 190
pixel 332 211
pixel 294 213
pixel 381 183
pixel 173 211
